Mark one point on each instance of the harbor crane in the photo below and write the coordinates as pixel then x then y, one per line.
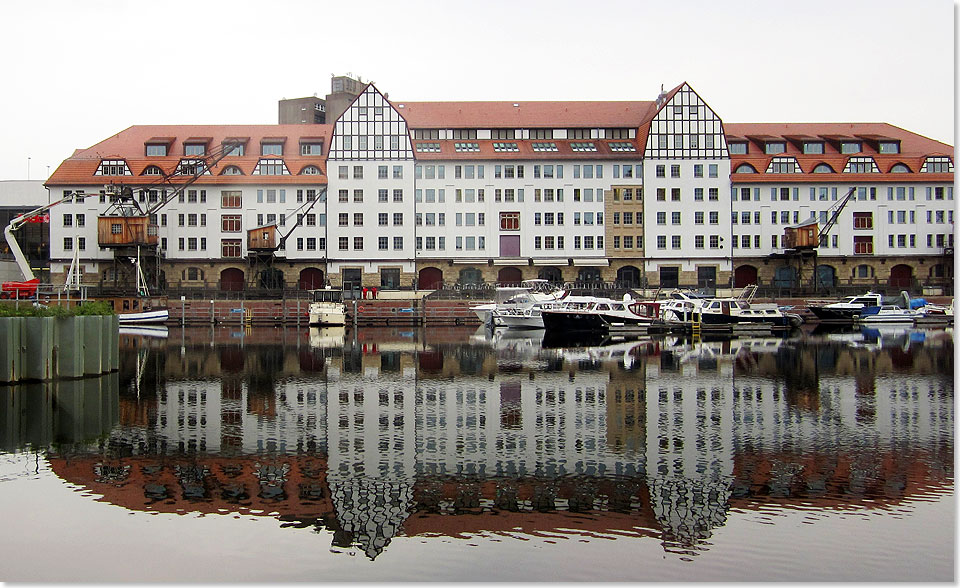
pixel 263 243
pixel 125 226
pixel 801 241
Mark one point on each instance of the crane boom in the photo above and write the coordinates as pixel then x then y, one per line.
pixel 319 197
pixel 15 224
pixel 202 165
pixel 824 233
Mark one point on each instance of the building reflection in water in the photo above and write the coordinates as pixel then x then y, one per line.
pixel 393 432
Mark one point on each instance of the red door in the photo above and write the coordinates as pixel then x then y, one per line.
pixel 231 279
pixel 901 276
pixel 744 275
pixel 430 278
pixel 311 278
pixel 509 275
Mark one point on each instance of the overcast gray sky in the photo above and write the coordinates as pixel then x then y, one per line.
pixel 79 71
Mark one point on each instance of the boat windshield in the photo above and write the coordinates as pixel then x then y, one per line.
pixel 327 295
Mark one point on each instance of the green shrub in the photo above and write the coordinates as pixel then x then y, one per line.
pixel 26 308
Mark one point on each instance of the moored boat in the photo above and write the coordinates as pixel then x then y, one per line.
pixel 511 302
pixel 888 314
pixel 846 310
pixel 327 308
pixel 596 314
pixel 147 316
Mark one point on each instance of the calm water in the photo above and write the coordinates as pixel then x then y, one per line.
pixel 452 454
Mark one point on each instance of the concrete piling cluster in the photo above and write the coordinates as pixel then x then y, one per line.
pixel 48 348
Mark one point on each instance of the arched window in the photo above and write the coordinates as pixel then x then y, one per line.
pixel 823 168
pixel 899 168
pixel 231 170
pixel 310 170
pixel 745 168
pixel 152 170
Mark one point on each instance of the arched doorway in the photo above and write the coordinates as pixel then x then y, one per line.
pixel 231 279
pixel 826 276
pixel 310 279
pixel 430 278
pixel 470 276
pixel 628 276
pixel 270 279
pixel 551 274
pixel 509 276
pixel 901 276
pixel 744 276
pixel 785 277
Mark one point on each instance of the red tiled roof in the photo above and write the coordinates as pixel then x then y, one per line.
pixel 129 145
pixel 914 149
pixel 523 114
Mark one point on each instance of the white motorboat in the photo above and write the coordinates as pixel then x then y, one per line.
pixel 511 301
pixel 327 308
pixel 595 314
pixel 889 314
pixel 154 316
pixel 846 310
pixel 690 307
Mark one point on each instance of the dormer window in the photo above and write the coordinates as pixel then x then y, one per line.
pixel 937 165
pixel 847 147
pixel 784 165
pixel 156 150
pixel 152 170
pixel 271 167
pixel 271 149
pixel 620 146
pixel 238 149
pixel 194 149
pixel 737 148
pixel 823 168
pixel 813 148
pixel 113 167
pixel 231 170
pixel 583 146
pixel 745 168
pixel 861 165
pixel 310 170
pixel 774 147
pixel 191 167
pixel 899 168
pixel 311 148
pixel 889 147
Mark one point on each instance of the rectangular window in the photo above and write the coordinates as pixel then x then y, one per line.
pixel 862 220
pixel 231 223
pixel 863 245
pixel 230 248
